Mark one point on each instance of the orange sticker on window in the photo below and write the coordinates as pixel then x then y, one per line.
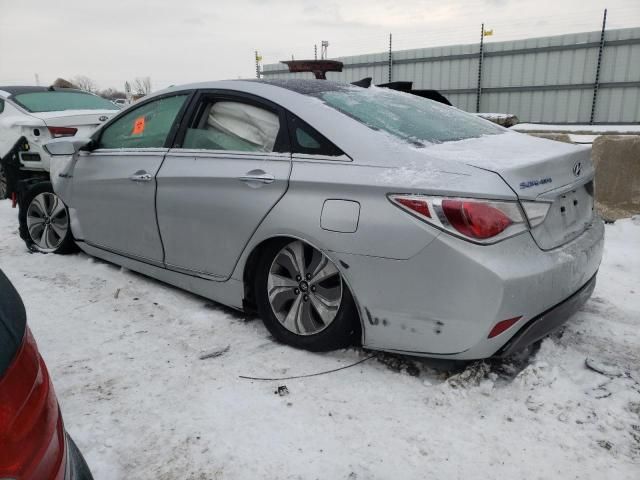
pixel 138 126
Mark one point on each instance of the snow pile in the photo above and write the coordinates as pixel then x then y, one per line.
pixel 125 355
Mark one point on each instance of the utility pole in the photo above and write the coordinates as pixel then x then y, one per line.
pixel 390 59
pixel 480 57
pixel 315 52
pixel 258 58
pixel 596 84
pixel 323 53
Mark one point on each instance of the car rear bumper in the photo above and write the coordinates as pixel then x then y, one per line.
pixel 548 321
pixel 76 468
pixel 445 301
pixel 34 159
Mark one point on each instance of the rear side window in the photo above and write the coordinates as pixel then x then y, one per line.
pixel 147 126
pixel 305 139
pixel 1 106
pixel 234 126
pixel 57 101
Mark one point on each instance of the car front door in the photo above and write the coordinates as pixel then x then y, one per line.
pixel 114 185
pixel 230 165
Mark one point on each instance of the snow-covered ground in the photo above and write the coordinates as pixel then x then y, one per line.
pixel 124 353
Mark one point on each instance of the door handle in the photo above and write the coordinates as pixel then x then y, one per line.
pixel 257 176
pixel 141 176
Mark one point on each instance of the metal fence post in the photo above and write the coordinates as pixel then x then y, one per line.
pixel 596 85
pixel 390 59
pixel 480 56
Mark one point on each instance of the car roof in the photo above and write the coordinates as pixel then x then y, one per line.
pixel 301 86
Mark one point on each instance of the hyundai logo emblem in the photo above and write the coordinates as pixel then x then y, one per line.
pixel 103 118
pixel 577 169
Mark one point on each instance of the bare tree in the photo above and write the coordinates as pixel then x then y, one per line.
pixel 111 93
pixel 141 86
pixel 62 83
pixel 85 83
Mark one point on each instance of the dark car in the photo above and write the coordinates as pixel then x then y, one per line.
pixel 33 442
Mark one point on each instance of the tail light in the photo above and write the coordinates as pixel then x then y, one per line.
pixel 536 212
pixel 477 220
pixel 57 132
pixel 32 442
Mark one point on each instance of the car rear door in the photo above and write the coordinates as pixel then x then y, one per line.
pixel 114 185
pixel 229 167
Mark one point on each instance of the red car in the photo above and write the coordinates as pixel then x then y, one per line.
pixel 33 442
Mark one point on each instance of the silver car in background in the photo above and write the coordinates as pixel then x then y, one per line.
pixel 340 214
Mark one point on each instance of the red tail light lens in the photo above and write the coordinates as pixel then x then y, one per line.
pixel 417 205
pixel 32 443
pixel 474 219
pixel 57 132
pixel 500 327
pixel 478 220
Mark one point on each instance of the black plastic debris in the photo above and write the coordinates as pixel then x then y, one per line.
pixel 282 390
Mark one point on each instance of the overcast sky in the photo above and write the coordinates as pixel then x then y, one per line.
pixel 180 41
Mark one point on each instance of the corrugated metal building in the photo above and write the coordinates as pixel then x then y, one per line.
pixel 546 80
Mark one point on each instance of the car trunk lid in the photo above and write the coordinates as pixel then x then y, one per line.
pixel 537 170
pixel 86 121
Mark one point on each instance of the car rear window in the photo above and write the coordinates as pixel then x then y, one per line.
pixel 56 101
pixel 13 322
pixel 415 119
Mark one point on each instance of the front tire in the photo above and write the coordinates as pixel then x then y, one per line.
pixel 303 299
pixel 44 221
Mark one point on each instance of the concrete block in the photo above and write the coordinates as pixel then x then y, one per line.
pixel 617 183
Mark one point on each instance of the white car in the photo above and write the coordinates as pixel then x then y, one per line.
pixel 120 102
pixel 40 114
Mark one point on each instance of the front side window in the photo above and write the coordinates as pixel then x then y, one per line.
pixel 58 101
pixel 408 117
pixel 147 126
pixel 230 125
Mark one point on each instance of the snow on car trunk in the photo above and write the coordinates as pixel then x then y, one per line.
pixel 557 175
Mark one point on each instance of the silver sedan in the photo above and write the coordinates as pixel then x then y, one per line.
pixel 340 214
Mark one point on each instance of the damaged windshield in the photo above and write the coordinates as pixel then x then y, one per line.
pixel 409 117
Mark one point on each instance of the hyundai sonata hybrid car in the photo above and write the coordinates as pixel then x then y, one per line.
pixel 33 441
pixel 339 213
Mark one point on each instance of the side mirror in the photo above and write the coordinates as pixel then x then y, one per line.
pixel 66 146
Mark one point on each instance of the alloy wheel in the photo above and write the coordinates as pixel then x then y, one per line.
pixel 304 289
pixel 47 221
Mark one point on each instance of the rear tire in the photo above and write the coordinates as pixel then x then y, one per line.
pixel 303 300
pixel 44 221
